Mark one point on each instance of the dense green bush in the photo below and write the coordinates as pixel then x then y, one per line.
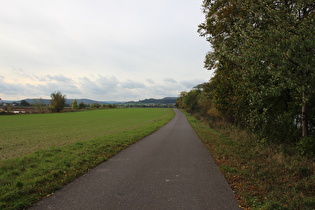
pixel 57 102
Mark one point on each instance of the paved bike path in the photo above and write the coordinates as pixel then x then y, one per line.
pixel 170 169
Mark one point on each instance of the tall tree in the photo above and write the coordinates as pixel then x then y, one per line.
pixel 279 47
pixel 263 56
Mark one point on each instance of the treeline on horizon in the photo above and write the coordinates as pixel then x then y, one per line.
pixel 88 102
pixel 59 103
pixel 263 59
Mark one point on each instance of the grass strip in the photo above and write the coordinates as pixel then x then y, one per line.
pixel 29 178
pixel 25 134
pixel 261 176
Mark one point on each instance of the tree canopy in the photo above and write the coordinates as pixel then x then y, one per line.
pixel 24 103
pixel 74 104
pixel 263 56
pixel 57 102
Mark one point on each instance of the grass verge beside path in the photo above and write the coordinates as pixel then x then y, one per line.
pixel 262 177
pixel 28 178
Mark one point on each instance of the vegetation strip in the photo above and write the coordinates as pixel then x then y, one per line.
pixel 25 179
pixel 261 176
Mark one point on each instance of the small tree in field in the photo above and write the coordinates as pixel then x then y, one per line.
pixel 57 102
pixel 82 105
pixel 39 105
pixel 74 104
pixel 95 105
pixel 24 103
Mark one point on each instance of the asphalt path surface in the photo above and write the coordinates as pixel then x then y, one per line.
pixel 170 169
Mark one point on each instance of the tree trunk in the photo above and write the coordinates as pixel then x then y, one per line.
pixel 304 118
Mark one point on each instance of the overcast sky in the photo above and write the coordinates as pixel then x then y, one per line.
pixel 100 49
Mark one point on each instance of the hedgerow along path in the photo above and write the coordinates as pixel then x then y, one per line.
pixel 42 152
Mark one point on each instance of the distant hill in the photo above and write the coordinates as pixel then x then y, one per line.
pixel 166 100
pixel 32 100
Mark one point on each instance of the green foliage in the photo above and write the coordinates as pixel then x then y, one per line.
pixel 109 106
pixel 190 100
pixel 95 105
pixel 306 146
pixel 82 105
pixel 179 102
pixel 39 105
pixel 57 102
pixel 74 104
pixel 24 103
pixel 263 58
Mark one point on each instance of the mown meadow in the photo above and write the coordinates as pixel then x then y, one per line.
pixel 39 153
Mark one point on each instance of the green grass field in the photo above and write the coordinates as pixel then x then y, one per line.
pixel 39 153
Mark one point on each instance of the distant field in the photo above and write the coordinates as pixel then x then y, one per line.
pixel 25 134
pixel 42 152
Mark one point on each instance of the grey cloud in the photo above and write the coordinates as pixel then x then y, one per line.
pixel 60 83
pixel 55 83
pixel 58 78
pixel 50 87
pixel 189 84
pixel 21 72
pixel 98 87
pixel 150 81
pixel 13 90
pixel 170 80
pixel 8 89
pixel 89 86
pixel 108 83
pixel 132 84
pixel 47 41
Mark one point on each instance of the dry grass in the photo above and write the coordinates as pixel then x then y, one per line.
pixel 261 176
